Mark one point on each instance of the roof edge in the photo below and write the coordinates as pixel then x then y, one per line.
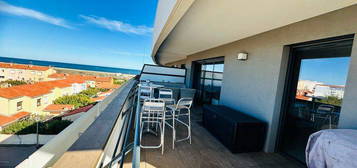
pixel 178 11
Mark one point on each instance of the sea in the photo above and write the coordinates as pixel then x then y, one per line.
pixel 70 66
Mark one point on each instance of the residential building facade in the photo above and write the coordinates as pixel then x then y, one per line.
pixel 325 91
pixel 10 71
pixel 34 98
pixel 206 35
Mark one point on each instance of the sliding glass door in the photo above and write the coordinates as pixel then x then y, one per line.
pixel 314 92
pixel 208 80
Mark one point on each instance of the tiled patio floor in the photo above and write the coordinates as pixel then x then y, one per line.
pixel 205 152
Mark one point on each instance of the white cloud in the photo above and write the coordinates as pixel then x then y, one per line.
pixel 19 11
pixel 116 25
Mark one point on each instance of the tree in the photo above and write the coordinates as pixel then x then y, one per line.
pixel 333 100
pixel 78 100
pixel 29 126
pixel 92 92
pixel 119 81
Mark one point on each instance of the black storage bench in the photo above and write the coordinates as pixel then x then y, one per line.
pixel 237 131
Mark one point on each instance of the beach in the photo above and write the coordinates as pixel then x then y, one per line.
pixel 94 73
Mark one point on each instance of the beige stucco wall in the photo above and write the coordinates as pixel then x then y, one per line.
pixel 9 106
pixel 4 106
pixel 255 86
pixel 27 75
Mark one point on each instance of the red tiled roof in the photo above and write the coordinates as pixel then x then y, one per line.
pixel 79 110
pixel 81 77
pixel 99 98
pixel 57 75
pixel 91 78
pixel 21 66
pixel 5 120
pixel 37 89
pixel 301 97
pixel 333 86
pixel 58 107
pixel 31 90
pixel 107 86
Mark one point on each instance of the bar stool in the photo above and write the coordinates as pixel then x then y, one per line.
pixel 181 109
pixel 167 96
pixel 145 92
pixel 153 112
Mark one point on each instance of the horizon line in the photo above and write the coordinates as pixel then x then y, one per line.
pixel 67 63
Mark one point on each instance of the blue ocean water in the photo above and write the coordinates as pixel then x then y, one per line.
pixel 71 66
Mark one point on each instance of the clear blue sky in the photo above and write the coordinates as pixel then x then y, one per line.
pixel 115 33
pixel 332 71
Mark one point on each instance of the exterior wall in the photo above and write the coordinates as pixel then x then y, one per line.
pixel 4 106
pixel 12 106
pixel 78 87
pixel 165 7
pixel 348 116
pixel 9 106
pixel 64 91
pixel 256 86
pixel 27 75
pixel 39 109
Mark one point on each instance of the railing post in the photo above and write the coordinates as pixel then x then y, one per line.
pixel 136 147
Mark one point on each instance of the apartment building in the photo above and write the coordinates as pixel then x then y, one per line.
pixel 92 81
pixel 34 98
pixel 324 91
pixel 10 71
pixel 245 55
pixel 261 50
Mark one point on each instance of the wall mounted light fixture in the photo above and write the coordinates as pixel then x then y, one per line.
pixel 242 56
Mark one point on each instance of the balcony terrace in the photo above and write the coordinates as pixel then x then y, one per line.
pixel 108 136
pixel 205 151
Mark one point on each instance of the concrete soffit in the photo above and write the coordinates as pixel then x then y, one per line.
pixel 179 10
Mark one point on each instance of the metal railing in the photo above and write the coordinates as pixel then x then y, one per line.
pixel 114 133
pixel 106 141
pixel 133 122
pixel 126 146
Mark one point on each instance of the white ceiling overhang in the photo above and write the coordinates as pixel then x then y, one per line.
pixel 210 23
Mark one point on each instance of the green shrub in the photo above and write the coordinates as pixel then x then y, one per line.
pixel 29 127
pixel 333 100
pixel 119 81
pixel 103 89
pixel 14 82
pixel 92 92
pixel 78 100
pixel 17 126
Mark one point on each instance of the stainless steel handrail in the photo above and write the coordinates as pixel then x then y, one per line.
pixel 128 147
pixel 136 147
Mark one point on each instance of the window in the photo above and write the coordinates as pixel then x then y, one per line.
pixel 39 73
pixel 210 74
pixel 46 99
pixel 19 105
pixel 39 102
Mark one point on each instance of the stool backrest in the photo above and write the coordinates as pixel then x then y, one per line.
pixel 154 105
pixel 187 93
pixel 325 109
pixel 145 92
pixel 187 102
pixel 165 94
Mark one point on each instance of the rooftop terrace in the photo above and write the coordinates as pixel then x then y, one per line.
pixel 108 136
